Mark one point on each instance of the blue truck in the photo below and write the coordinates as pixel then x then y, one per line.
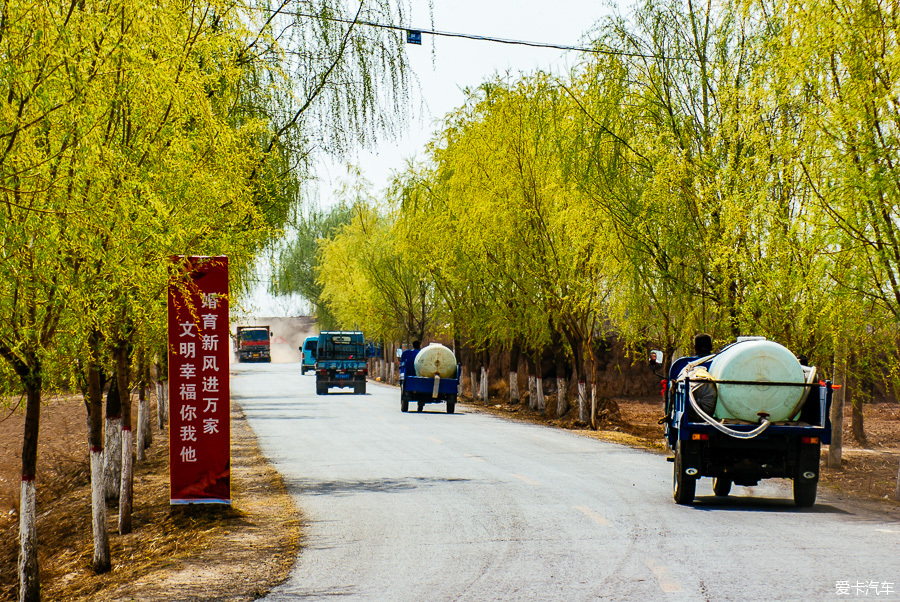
pixel 341 361
pixel 308 354
pixel 734 451
pixel 422 390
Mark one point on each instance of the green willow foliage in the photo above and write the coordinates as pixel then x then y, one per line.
pixel 732 170
pixel 131 132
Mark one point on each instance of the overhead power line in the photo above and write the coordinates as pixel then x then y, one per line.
pixel 470 36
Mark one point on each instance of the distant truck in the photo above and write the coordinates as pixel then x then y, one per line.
pixel 341 361
pixel 254 343
pixel 308 354
pixel 751 411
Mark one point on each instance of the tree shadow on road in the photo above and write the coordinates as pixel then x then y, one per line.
pixel 350 487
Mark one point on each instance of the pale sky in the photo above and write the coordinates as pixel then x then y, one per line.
pixel 444 66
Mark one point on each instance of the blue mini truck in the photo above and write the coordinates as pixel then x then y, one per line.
pixel 428 390
pixel 742 452
pixel 341 361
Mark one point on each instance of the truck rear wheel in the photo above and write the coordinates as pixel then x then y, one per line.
pixel 321 390
pixel 805 492
pixel 721 486
pixel 404 400
pixel 684 485
pixel 420 406
pixel 451 405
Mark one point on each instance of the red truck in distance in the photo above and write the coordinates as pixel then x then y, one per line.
pixel 254 343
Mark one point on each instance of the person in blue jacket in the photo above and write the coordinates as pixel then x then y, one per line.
pixel 408 360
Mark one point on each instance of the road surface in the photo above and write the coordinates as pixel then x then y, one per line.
pixel 468 506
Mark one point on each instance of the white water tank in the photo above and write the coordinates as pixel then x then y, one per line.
pixel 435 359
pixel 758 361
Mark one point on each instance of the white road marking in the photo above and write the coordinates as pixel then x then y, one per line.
pixel 666 583
pixel 527 480
pixel 597 518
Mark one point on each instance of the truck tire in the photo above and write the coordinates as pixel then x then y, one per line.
pixel 722 486
pixel 805 492
pixel 321 390
pixel 684 486
pixel 404 403
pixel 421 406
pixel 451 405
pixel 361 389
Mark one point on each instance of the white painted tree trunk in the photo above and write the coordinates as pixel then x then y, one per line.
pixel 484 384
pixel 541 402
pixel 532 392
pixel 143 426
pixel 125 502
pixel 160 410
pixel 29 582
pixel 594 406
pixel 102 558
pixel 162 403
pixel 582 402
pixel 513 387
pixel 112 458
pixel 561 405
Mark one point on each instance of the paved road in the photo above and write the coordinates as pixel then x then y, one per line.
pixel 434 506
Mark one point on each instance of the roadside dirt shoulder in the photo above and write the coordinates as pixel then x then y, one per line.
pixel 174 553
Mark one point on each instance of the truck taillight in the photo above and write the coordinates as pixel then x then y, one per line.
pixel 812 440
pixel 700 437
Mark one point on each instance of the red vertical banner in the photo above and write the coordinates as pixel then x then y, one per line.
pixel 199 392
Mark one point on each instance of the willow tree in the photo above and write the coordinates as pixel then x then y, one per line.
pixel 846 78
pixel 370 282
pixel 131 133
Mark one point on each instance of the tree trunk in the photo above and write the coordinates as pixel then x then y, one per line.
pixel 562 406
pixel 162 391
pixel 532 392
pixel 485 394
pixel 594 405
pixel 160 410
pixel 835 450
pixel 856 418
pixel 102 561
pixel 514 352
pixel 112 457
pixel 120 353
pixel 561 402
pixel 144 433
pixel 125 498
pixel 539 381
pixel 29 578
